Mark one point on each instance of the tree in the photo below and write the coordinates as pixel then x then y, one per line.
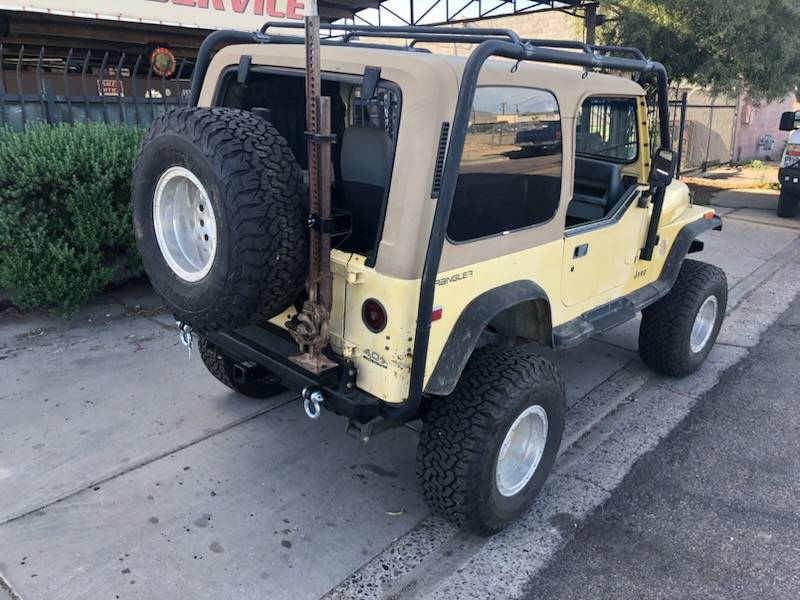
pixel 730 46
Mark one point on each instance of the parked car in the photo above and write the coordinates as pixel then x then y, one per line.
pixel 789 173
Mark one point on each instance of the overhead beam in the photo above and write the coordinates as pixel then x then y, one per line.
pixel 69 32
pixel 424 12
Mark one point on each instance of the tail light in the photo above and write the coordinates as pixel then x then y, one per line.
pixel 792 155
pixel 374 315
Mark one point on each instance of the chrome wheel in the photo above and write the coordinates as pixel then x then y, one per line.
pixel 704 324
pixel 521 451
pixel 184 223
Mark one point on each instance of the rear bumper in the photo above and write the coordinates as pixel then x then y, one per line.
pixel 270 347
pixel 790 179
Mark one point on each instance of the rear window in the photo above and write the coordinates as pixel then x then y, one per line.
pixel 607 130
pixel 510 175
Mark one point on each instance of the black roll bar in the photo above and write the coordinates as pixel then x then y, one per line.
pixel 569 44
pixel 635 52
pixel 407 31
pixel 493 42
pixel 209 45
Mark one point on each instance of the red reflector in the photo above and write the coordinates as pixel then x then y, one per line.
pixel 436 313
pixel 374 315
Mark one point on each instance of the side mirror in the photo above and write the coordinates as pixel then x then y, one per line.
pixel 663 168
pixel 790 121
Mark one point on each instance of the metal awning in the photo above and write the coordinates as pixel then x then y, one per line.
pixel 435 12
pixel 332 10
pixel 60 32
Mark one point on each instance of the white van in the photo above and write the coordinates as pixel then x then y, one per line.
pixel 789 174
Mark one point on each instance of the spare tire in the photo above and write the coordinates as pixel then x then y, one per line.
pixel 220 217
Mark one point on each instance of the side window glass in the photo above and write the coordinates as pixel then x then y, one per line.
pixel 382 111
pixel 607 130
pixel 510 175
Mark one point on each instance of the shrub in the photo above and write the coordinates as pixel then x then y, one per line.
pixel 65 219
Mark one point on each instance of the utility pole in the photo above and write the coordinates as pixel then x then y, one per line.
pixel 590 22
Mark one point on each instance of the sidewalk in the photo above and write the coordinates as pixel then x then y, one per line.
pixel 125 469
pixel 713 511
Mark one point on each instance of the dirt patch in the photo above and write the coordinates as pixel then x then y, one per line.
pixel 763 176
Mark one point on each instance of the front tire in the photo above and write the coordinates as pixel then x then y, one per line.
pixel 787 204
pixel 485 451
pixel 678 332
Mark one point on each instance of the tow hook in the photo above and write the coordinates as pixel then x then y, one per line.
pixel 312 398
pixel 185 335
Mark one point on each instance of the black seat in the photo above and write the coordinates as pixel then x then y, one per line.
pixel 598 188
pixel 366 161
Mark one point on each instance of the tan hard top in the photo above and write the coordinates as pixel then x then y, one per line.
pixel 419 67
pixel 429 85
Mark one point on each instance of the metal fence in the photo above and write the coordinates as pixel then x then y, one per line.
pixel 702 134
pixel 68 86
pixel 707 136
pixel 81 86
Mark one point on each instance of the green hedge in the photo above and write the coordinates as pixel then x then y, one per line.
pixel 65 219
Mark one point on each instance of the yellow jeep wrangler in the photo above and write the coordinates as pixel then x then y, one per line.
pixel 481 207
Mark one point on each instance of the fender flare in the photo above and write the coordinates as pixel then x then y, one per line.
pixel 468 328
pixel 683 245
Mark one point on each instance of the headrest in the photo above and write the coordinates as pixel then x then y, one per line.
pixel 366 155
pixel 597 170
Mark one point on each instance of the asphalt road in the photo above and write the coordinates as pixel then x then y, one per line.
pixel 713 511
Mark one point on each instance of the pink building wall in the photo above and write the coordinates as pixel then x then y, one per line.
pixel 754 126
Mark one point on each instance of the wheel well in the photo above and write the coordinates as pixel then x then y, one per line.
pixel 515 312
pixel 528 321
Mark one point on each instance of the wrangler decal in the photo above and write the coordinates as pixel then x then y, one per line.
pixel 453 278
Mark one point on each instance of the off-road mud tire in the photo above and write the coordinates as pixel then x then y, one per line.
pixel 664 335
pixel 463 432
pixel 788 204
pixel 256 190
pixel 221 366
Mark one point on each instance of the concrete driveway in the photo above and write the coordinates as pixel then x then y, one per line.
pixel 127 471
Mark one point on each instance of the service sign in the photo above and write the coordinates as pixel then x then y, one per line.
pixel 245 15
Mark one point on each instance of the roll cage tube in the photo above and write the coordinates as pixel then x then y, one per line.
pixel 511 47
pixel 466 95
pixel 228 37
pixel 211 43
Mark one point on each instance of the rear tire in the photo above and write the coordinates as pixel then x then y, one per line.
pixel 787 204
pixel 467 470
pixel 227 177
pixel 221 366
pixel 674 337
